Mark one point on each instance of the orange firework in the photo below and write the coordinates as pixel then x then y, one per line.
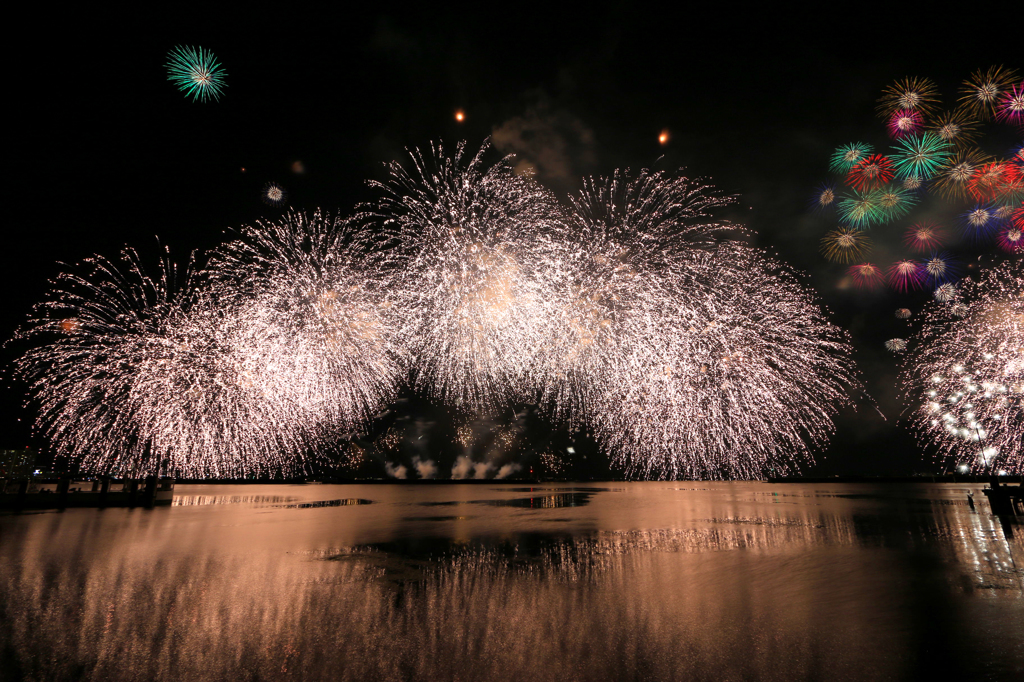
pixel 957 128
pixel 955 175
pixel 980 93
pixel 845 245
pixel 913 94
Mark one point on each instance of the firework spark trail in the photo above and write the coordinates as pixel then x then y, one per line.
pixel 333 344
pixel 697 356
pixel 964 379
pixel 633 313
pixel 474 246
pixel 131 370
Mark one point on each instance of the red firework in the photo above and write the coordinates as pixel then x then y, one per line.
pixel 865 275
pixel 922 237
pixel 904 275
pixel 995 180
pixel 904 122
pixel 870 173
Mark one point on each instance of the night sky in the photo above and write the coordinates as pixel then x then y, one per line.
pixel 105 152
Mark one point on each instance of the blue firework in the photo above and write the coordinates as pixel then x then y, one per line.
pixel 940 268
pixel 196 72
pixel 825 197
pixel 979 222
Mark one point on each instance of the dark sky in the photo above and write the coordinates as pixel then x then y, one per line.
pixel 104 152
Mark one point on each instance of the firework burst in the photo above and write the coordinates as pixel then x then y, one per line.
pixel 923 237
pixel 860 209
pixel 865 275
pixel 964 380
pixel 893 202
pixel 920 156
pixel 273 194
pixel 846 157
pixel 870 172
pixel 980 94
pixel 904 123
pixel 896 345
pixel 196 72
pixel 845 245
pixel 940 268
pixel 953 178
pixel 824 197
pixel 1011 105
pixel 904 275
pixel 133 372
pixel 912 94
pixel 476 247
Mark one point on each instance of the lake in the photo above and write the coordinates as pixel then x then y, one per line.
pixel 615 581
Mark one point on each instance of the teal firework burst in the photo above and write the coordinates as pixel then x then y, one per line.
pixel 920 155
pixel 197 72
pixel 893 201
pixel 847 156
pixel 860 209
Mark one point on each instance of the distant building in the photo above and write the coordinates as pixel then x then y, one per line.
pixel 17 463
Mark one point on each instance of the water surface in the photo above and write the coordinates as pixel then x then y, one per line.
pixel 509 582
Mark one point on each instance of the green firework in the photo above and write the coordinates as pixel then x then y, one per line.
pixel 846 157
pixel 860 209
pixel 893 201
pixel 197 72
pixel 920 155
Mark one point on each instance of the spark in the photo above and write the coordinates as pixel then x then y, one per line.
pixel 196 72
pixel 965 379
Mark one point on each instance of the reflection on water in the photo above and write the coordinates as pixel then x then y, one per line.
pixel 348 502
pixel 646 581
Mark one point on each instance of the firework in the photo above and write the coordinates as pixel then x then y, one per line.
pixel 1010 239
pixel 846 157
pixel 920 156
pixel 904 123
pixel 903 313
pixel 978 222
pixel 870 172
pixel 824 197
pixel 684 351
pixel 996 181
pixel 845 245
pixel 896 345
pixel 273 194
pixel 944 293
pixel 904 275
pixel 912 183
pixel 311 290
pixel 956 128
pixel 964 380
pixel 865 275
pixel 940 268
pixel 476 248
pixel 893 202
pixel 1011 105
pixel 860 209
pixel 924 237
pixel 953 178
pixel 981 92
pixel 196 72
pixel 151 371
pixel 914 94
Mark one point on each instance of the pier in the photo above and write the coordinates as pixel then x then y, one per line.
pixel 100 492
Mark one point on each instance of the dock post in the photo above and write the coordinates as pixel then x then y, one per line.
pixel 63 486
pixel 104 490
pixel 149 498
